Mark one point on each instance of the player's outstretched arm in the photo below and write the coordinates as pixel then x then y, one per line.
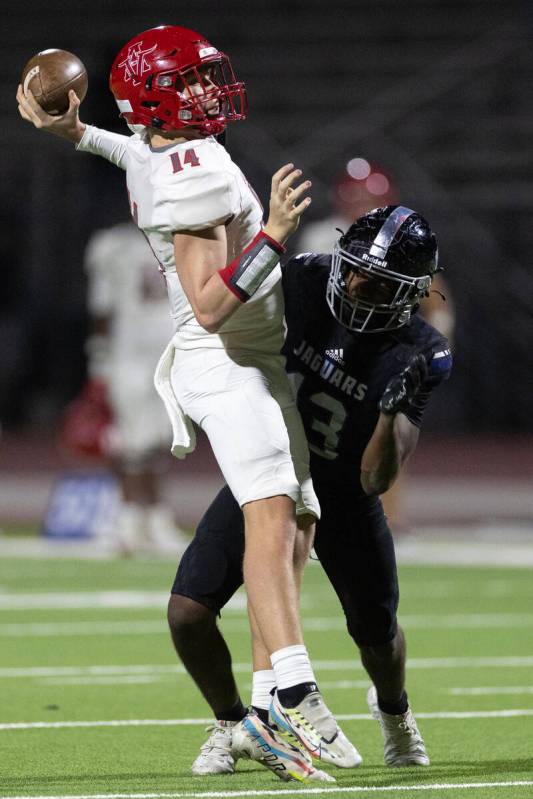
pixel 287 203
pixel 67 125
pixel 394 438
pixel 199 256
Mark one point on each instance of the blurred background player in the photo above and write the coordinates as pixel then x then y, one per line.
pixel 360 187
pixel 130 327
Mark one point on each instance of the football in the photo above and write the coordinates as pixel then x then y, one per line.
pixel 50 75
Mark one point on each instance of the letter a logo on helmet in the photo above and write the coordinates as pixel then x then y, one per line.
pixel 172 78
pixel 135 64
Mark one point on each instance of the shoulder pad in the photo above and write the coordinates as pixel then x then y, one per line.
pixel 200 199
pixel 441 362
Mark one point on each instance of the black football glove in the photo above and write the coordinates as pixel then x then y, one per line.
pixel 402 388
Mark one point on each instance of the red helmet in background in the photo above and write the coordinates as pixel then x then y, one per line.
pixel 362 187
pixel 87 422
pixel 172 78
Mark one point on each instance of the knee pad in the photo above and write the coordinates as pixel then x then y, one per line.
pixel 372 626
pixel 185 614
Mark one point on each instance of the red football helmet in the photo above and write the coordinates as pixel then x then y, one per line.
pixel 87 422
pixel 171 78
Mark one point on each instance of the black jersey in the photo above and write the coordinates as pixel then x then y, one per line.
pixel 342 375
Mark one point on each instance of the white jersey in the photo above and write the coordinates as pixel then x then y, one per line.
pixel 233 383
pixel 125 284
pixel 195 185
pixel 126 287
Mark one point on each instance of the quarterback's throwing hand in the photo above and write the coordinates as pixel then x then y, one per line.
pixel 67 125
pixel 402 388
pixel 287 202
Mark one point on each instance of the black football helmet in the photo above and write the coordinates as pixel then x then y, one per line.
pixel 396 251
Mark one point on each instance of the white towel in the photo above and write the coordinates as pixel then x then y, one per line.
pixel 183 433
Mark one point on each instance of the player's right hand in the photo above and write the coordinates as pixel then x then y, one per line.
pixel 403 388
pixel 67 125
pixel 286 203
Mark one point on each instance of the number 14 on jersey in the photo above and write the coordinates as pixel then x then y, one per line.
pixel 181 160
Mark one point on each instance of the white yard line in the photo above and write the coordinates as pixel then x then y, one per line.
pixel 434 786
pixel 416 621
pixel 124 679
pixel 84 599
pixel 17 672
pixel 80 671
pixel 492 691
pixel 58 725
pixel 317 624
pixel 444 714
pixel 62 628
pixel 468 620
pixel 325 685
pixel 470 662
pixel 329 685
pixel 68 600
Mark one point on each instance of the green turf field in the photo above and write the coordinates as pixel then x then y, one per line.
pixel 93 701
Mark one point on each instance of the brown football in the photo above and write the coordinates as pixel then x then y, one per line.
pixel 50 74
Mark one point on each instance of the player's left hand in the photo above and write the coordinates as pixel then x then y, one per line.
pixel 287 203
pixel 67 125
pixel 402 388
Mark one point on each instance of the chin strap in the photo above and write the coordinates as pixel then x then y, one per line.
pixel 436 291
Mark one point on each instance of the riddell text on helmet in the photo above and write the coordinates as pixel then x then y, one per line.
pixel 373 259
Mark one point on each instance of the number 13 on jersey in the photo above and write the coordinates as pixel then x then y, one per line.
pixel 323 434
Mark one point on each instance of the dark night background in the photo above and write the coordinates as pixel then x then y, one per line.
pixel 440 93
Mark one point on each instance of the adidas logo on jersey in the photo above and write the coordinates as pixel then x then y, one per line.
pixel 335 355
pixel 328 371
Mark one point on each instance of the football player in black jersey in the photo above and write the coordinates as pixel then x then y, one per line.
pixel 365 365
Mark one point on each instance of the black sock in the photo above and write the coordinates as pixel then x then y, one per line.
pixel 235 713
pixel 290 697
pixel 262 713
pixel 394 708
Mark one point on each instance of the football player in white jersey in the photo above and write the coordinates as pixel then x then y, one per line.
pixel 131 325
pixel 222 368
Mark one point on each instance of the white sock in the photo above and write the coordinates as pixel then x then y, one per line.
pixel 263 682
pixel 291 666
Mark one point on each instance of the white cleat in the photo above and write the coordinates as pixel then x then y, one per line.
pixel 403 743
pixel 312 724
pixel 254 739
pixel 215 755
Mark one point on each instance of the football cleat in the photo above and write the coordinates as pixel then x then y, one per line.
pixel 312 724
pixel 215 755
pixel 403 743
pixel 254 739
